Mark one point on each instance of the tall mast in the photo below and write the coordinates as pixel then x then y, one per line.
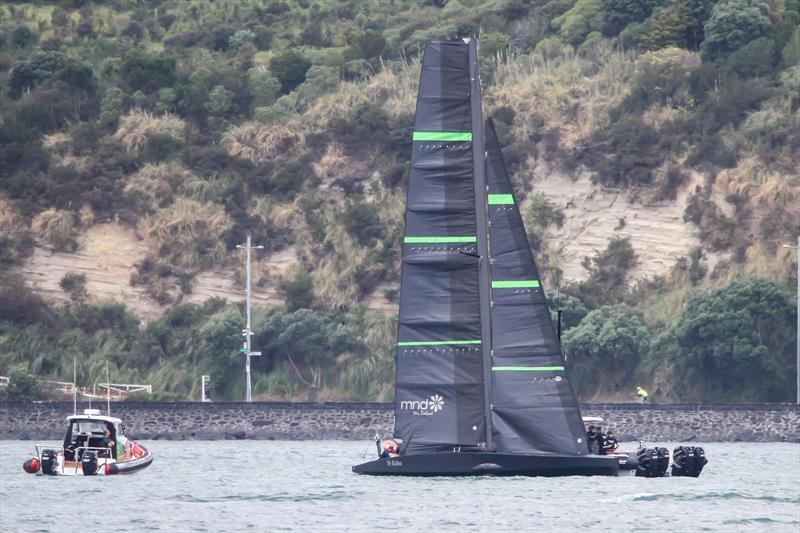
pixel 479 166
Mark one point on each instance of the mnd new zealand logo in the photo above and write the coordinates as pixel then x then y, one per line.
pixel 426 407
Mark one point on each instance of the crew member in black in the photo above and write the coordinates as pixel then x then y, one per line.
pixel 108 442
pixel 590 438
pixel 610 443
pixel 599 440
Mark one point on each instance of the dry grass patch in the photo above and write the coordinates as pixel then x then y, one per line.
pixel 571 93
pixel 260 143
pixel 188 233
pixel 135 128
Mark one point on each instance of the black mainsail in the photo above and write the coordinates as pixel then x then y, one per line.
pixel 439 397
pixel 481 385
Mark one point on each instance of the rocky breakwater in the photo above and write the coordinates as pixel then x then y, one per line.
pixel 209 421
pixel 361 421
pixel 700 422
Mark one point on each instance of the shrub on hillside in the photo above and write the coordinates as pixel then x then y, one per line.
pixel 663 74
pixel 608 274
pixel 734 23
pixel 289 67
pixel 606 347
pixel 298 292
pixel 736 341
pixel 137 127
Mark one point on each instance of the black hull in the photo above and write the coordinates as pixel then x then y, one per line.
pixel 490 464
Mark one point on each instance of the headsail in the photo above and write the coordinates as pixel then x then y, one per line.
pixel 439 397
pixel 534 409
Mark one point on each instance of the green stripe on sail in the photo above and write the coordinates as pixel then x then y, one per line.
pixel 527 283
pixel 442 136
pixel 527 369
pixel 501 199
pixel 438 240
pixel 436 343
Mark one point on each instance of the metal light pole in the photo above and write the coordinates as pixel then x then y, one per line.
pixel 247 332
pixel 205 380
pixel 798 315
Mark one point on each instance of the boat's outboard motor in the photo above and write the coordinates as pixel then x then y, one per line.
pixel 688 461
pixel 89 463
pixel 49 462
pixel 652 462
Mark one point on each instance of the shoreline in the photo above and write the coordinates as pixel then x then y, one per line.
pixel 363 420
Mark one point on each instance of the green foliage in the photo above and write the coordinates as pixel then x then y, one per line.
pixel 617 14
pixel 606 347
pixel 541 213
pixel 264 87
pixel 735 342
pixel 608 274
pixel 147 73
pixel 310 339
pixel 669 26
pixel 289 67
pixel 572 309
pixel 299 292
pixel 790 56
pixel 361 221
pixel 584 18
pixel 663 74
pixel 756 58
pixel 22 385
pixel 734 23
pixel 494 43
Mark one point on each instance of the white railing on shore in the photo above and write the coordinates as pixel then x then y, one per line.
pixel 126 388
pixel 4 381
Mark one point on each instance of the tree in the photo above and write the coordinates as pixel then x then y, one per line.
pixel 662 74
pixel 22 386
pixel 309 340
pixel 737 341
pixel 26 75
pixel 756 58
pixel 22 36
pixel 669 26
pixel 219 101
pixel 264 87
pixel 289 67
pixel 608 274
pixel 148 73
pixel 606 346
pixel 697 13
pixel 111 107
pixel 584 18
pixel 299 292
pixel 572 309
pixel 732 24
pixel 616 14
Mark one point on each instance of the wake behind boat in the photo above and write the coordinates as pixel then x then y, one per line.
pixel 481 383
pixel 93 445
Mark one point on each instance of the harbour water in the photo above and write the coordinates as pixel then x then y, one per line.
pixel 308 486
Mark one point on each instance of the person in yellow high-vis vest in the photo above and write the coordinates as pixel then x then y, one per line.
pixel 641 394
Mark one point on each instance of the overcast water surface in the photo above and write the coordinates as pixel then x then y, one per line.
pixel 308 486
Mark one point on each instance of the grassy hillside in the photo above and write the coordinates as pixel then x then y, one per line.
pixel 194 123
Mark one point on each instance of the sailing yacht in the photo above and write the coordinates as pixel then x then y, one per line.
pixel 481 384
